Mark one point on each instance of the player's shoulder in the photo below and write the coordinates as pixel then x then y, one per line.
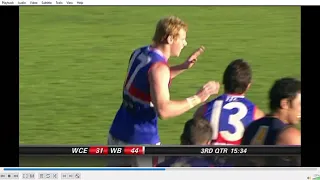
pixel 291 130
pixel 269 121
pixel 289 136
pixel 254 125
pixel 218 98
pixel 140 49
pixel 246 101
pixel 159 68
pixel 275 122
pixel 151 53
pixel 265 120
pixel 144 49
pixel 208 106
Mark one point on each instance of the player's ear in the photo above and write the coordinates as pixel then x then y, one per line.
pixel 284 104
pixel 170 39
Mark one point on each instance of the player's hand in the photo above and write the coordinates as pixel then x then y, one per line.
pixel 193 58
pixel 210 88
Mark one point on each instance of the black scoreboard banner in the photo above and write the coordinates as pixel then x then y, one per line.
pixel 161 150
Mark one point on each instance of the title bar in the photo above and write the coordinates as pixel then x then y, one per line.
pixel 162 2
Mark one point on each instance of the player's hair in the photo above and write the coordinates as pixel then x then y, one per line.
pixel 284 88
pixel 196 132
pixel 237 77
pixel 168 26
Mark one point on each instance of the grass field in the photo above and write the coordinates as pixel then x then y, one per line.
pixel 73 62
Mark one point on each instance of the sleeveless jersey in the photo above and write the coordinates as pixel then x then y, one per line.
pixel 136 121
pixel 263 132
pixel 186 162
pixel 229 115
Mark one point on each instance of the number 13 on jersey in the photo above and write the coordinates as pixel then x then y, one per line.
pixel 228 126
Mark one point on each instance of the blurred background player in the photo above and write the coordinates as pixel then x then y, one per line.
pixel 146 89
pixel 195 132
pixel 231 112
pixel 279 127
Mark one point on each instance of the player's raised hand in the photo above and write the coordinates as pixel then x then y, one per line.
pixel 210 88
pixel 193 58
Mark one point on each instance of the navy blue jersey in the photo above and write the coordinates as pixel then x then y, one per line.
pixel 136 121
pixel 229 115
pixel 186 162
pixel 264 131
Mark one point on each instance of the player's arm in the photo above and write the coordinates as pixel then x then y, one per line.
pixel 176 70
pixel 191 60
pixel 159 76
pixel 289 136
pixel 258 113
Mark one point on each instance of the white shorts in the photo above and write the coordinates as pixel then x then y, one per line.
pixel 133 161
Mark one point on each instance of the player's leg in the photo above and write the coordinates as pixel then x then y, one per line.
pixel 120 161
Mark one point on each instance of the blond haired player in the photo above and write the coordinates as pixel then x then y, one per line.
pixel 146 93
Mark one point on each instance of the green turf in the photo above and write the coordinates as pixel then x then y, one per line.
pixel 73 62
